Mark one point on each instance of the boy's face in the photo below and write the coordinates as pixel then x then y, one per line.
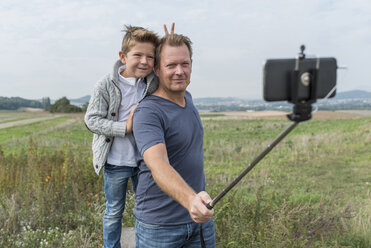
pixel 139 60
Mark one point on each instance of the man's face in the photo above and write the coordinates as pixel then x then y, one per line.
pixel 175 69
pixel 139 60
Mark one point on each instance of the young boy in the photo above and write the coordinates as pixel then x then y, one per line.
pixel 109 117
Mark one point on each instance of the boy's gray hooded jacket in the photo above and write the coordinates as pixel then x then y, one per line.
pixel 102 113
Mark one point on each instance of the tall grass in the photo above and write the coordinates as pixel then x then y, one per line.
pixel 46 197
pixel 312 190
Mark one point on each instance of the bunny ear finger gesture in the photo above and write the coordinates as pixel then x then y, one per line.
pixel 172 29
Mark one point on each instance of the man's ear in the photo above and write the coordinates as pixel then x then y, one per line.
pixel 122 57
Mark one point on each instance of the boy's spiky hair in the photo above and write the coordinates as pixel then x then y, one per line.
pixel 137 34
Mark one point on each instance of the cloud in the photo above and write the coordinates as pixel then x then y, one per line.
pixel 57 48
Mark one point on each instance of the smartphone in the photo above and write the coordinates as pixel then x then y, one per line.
pixel 277 77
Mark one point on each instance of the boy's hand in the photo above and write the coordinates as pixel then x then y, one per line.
pixel 172 29
pixel 129 121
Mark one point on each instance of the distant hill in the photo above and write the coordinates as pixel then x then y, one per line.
pixel 352 94
pixel 353 99
pixel 216 99
pixel 82 100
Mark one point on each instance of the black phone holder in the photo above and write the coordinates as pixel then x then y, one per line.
pixel 302 109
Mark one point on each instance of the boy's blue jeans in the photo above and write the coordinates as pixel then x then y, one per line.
pixel 176 236
pixel 115 184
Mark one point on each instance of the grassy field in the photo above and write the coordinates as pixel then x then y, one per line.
pixel 312 190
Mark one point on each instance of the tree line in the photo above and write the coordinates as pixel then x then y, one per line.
pixel 14 103
pixel 62 105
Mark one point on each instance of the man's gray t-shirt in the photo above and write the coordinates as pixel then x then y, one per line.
pixel 158 120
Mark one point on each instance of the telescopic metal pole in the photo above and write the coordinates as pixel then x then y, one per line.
pixel 211 204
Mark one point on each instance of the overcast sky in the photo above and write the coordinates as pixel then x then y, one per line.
pixel 62 48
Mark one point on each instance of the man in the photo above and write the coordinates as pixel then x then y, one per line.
pixel 170 197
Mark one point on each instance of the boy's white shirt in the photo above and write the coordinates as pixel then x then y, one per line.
pixel 123 151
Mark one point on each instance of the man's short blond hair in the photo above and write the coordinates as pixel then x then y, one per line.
pixel 133 35
pixel 175 40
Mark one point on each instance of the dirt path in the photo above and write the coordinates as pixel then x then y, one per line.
pixel 127 237
pixel 27 121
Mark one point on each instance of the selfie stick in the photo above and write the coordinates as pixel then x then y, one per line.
pixel 302 111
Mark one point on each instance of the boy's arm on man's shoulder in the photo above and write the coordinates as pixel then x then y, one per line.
pixel 96 117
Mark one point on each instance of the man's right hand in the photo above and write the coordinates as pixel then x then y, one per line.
pixel 197 208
